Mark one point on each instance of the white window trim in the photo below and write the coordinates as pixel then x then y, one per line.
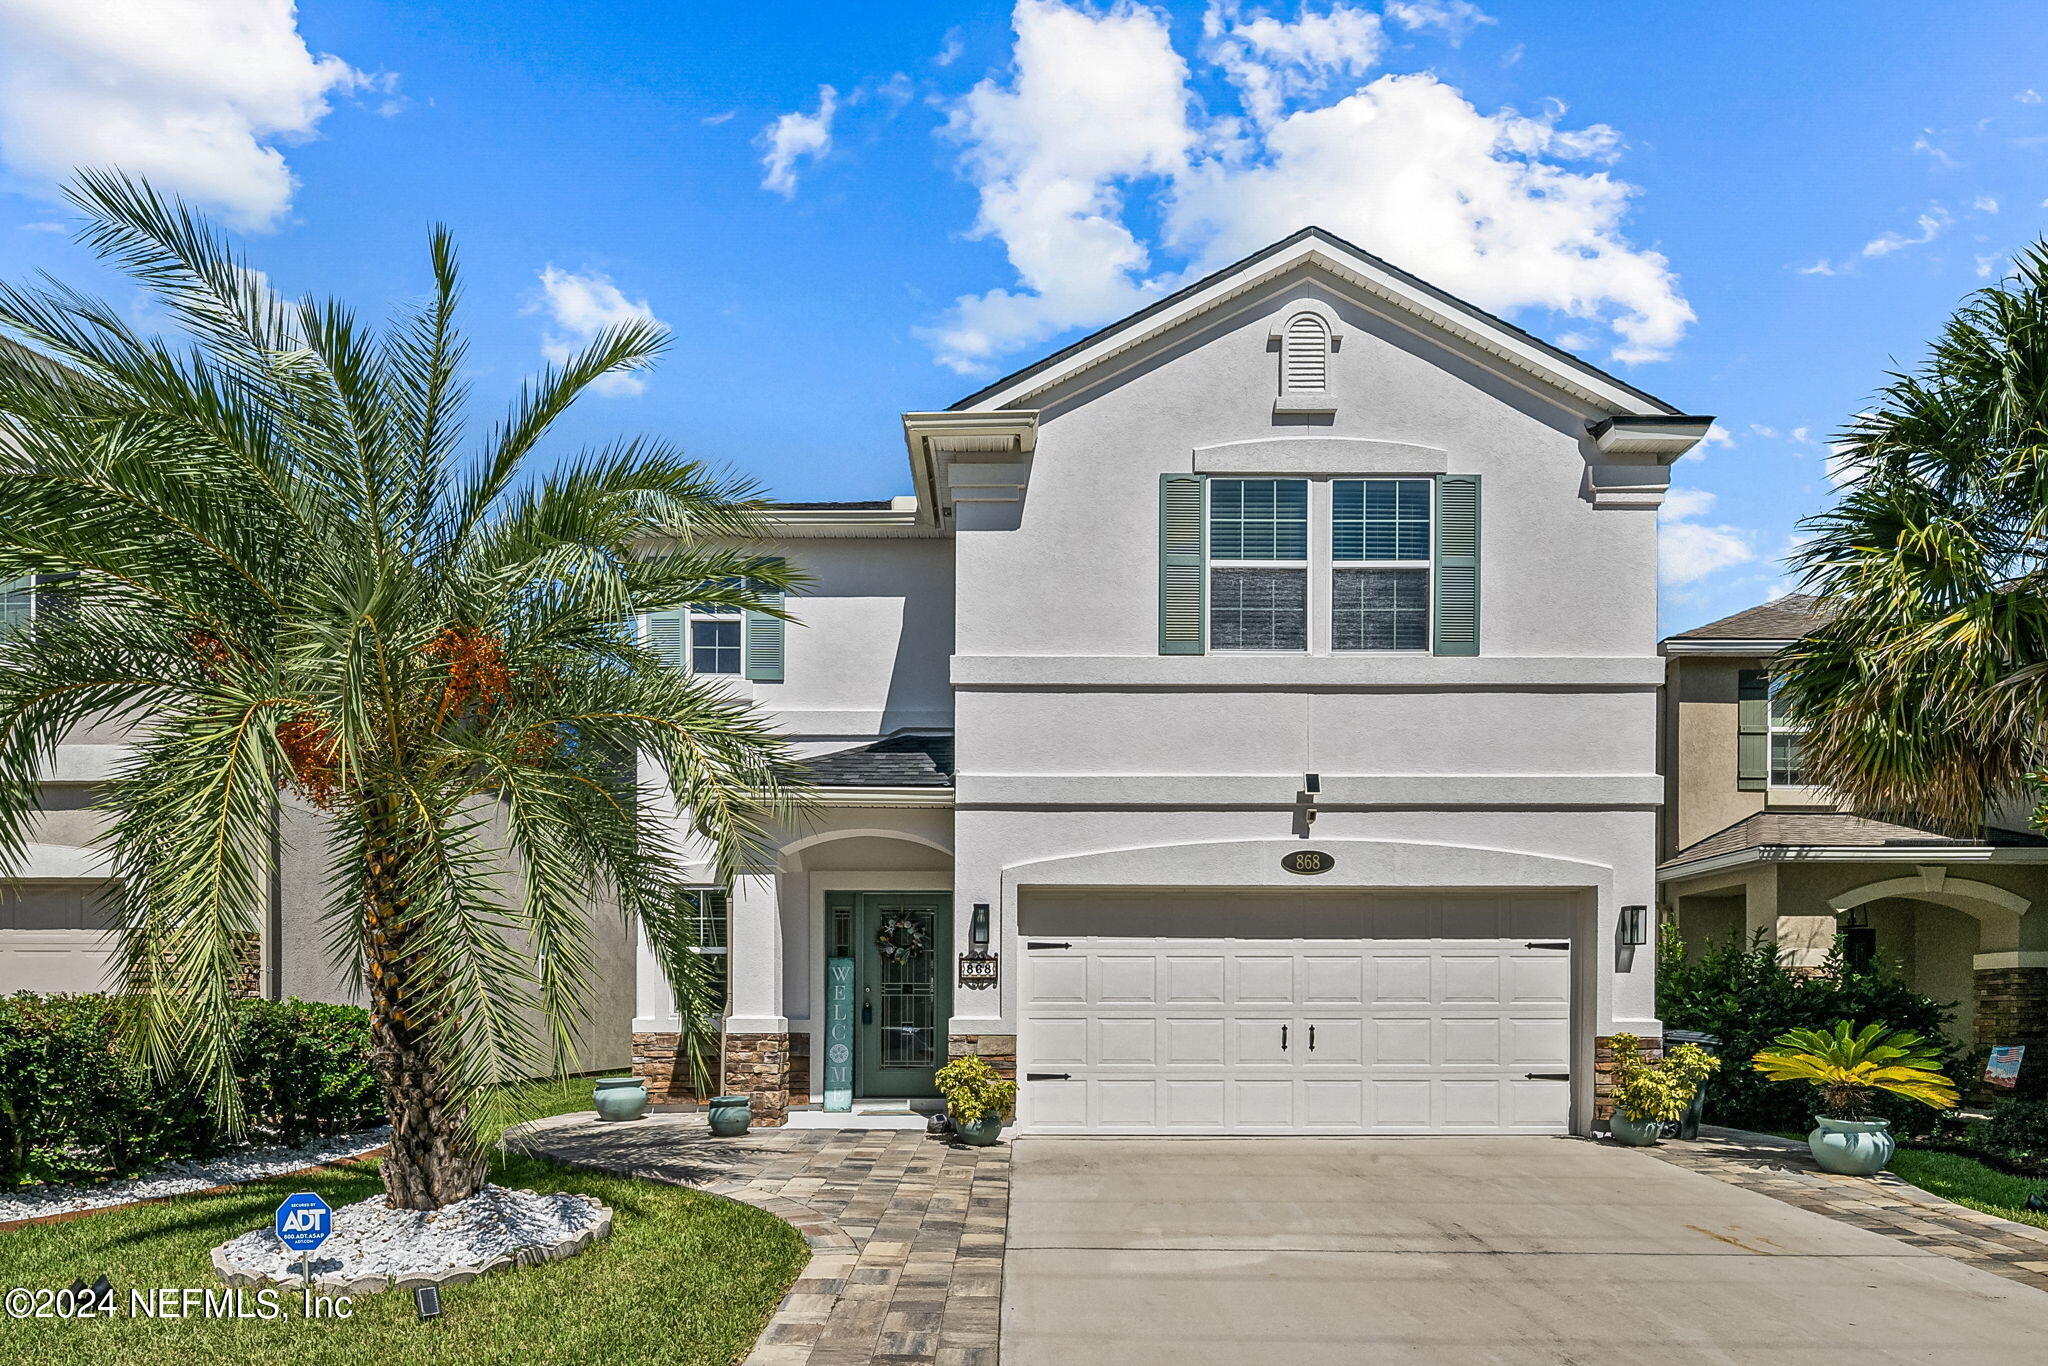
pixel 691 616
pixel 1321 565
pixel 721 950
pixel 1427 564
pixel 1305 565
pixel 26 584
pixel 1772 730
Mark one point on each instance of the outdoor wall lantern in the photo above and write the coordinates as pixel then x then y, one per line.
pixel 1635 924
pixel 977 933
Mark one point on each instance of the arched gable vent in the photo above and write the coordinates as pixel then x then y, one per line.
pixel 1305 337
pixel 1305 354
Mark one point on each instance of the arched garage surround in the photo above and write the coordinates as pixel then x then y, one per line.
pixel 1255 867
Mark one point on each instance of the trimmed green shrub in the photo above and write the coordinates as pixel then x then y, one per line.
pixel 1746 997
pixel 2016 1131
pixel 75 1106
pixel 304 1069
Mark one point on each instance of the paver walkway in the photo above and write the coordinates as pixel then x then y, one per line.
pixel 1784 1170
pixel 906 1233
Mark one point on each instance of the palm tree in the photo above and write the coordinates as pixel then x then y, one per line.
pixel 1927 692
pixel 282 568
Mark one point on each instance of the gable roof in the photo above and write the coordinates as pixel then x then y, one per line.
pixel 1778 622
pixel 1527 355
pixel 1773 834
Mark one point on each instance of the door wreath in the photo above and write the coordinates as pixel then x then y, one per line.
pixel 901 938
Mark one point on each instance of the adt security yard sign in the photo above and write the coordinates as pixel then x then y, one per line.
pixel 304 1221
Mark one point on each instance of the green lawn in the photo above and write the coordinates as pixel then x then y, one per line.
pixel 685 1278
pixel 1967 1181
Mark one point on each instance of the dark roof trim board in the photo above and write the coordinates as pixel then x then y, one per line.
pixel 1414 282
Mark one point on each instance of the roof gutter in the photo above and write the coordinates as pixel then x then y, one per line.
pixel 1854 853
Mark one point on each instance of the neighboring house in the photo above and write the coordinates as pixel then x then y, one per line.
pixel 1268 682
pixel 1749 844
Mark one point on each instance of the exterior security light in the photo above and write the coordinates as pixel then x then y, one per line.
pixel 977 934
pixel 1635 924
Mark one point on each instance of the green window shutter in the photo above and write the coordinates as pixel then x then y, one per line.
pixel 762 640
pixel 1183 565
pixel 1457 565
pixel 1753 730
pixel 666 634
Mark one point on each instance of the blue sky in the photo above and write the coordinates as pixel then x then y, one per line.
pixel 1751 210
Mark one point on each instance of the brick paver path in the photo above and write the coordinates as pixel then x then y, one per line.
pixel 1783 1169
pixel 906 1232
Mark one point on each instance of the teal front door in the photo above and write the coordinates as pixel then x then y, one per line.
pixel 903 997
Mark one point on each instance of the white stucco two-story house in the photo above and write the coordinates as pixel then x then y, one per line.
pixel 1247 725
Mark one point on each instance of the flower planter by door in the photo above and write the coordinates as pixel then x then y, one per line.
pixel 731 1115
pixel 1634 1133
pixel 981 1133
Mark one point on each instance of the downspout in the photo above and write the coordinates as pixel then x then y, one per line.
pixel 274 928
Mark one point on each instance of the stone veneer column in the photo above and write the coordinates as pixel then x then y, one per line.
pixel 1603 1072
pixel 658 1063
pixel 757 1066
pixel 2011 992
pixel 997 1050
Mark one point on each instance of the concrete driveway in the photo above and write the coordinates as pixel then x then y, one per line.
pixel 1523 1250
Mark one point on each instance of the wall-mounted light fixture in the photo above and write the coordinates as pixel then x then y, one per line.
pixel 977 933
pixel 1635 924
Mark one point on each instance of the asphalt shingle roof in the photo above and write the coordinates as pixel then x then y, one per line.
pixel 899 761
pixel 1836 830
pixel 1788 618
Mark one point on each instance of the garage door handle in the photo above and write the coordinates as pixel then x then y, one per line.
pixel 1048 1076
pixel 1311 1038
pixel 1533 944
pixel 1548 1076
pixel 1283 1036
pixel 1042 944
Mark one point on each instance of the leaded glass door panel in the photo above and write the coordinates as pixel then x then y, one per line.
pixel 903 995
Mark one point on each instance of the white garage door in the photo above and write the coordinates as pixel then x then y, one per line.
pixel 55 937
pixel 1204 1013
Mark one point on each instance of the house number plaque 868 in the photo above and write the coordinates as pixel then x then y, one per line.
pixel 1307 862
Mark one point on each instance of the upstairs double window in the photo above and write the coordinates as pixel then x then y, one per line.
pixel 1360 549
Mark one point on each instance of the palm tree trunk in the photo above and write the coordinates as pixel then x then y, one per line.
pixel 433 1161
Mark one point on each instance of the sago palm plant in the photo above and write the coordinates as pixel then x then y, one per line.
pixel 278 556
pixel 1849 1067
pixel 1927 692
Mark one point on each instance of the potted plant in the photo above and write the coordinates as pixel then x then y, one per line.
pixel 730 1116
pixel 619 1098
pixel 1848 1068
pixel 977 1098
pixel 1649 1095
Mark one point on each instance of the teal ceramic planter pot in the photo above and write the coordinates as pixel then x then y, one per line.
pixel 619 1097
pixel 982 1132
pixel 1851 1147
pixel 731 1115
pixel 1634 1133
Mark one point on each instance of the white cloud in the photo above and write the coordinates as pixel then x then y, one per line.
pixel 793 137
pixel 1987 266
pixel 1985 203
pixel 44 226
pixel 1455 17
pixel 1767 433
pixel 1927 147
pixel 2028 97
pixel 1803 435
pixel 1271 61
pixel 950 50
pixel 1688 550
pixel 1930 224
pixel 192 94
pixel 1096 130
pixel 580 304
pixel 713 120
pixel 1843 468
pixel 1817 268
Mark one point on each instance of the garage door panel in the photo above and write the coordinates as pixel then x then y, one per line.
pixel 1128 1043
pixel 1265 979
pixel 1468 978
pixel 1400 979
pixel 1167 1032
pixel 1336 1043
pixel 1196 1042
pixel 1401 1042
pixel 1197 979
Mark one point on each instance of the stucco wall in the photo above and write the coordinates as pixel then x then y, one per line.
pixel 1704 796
